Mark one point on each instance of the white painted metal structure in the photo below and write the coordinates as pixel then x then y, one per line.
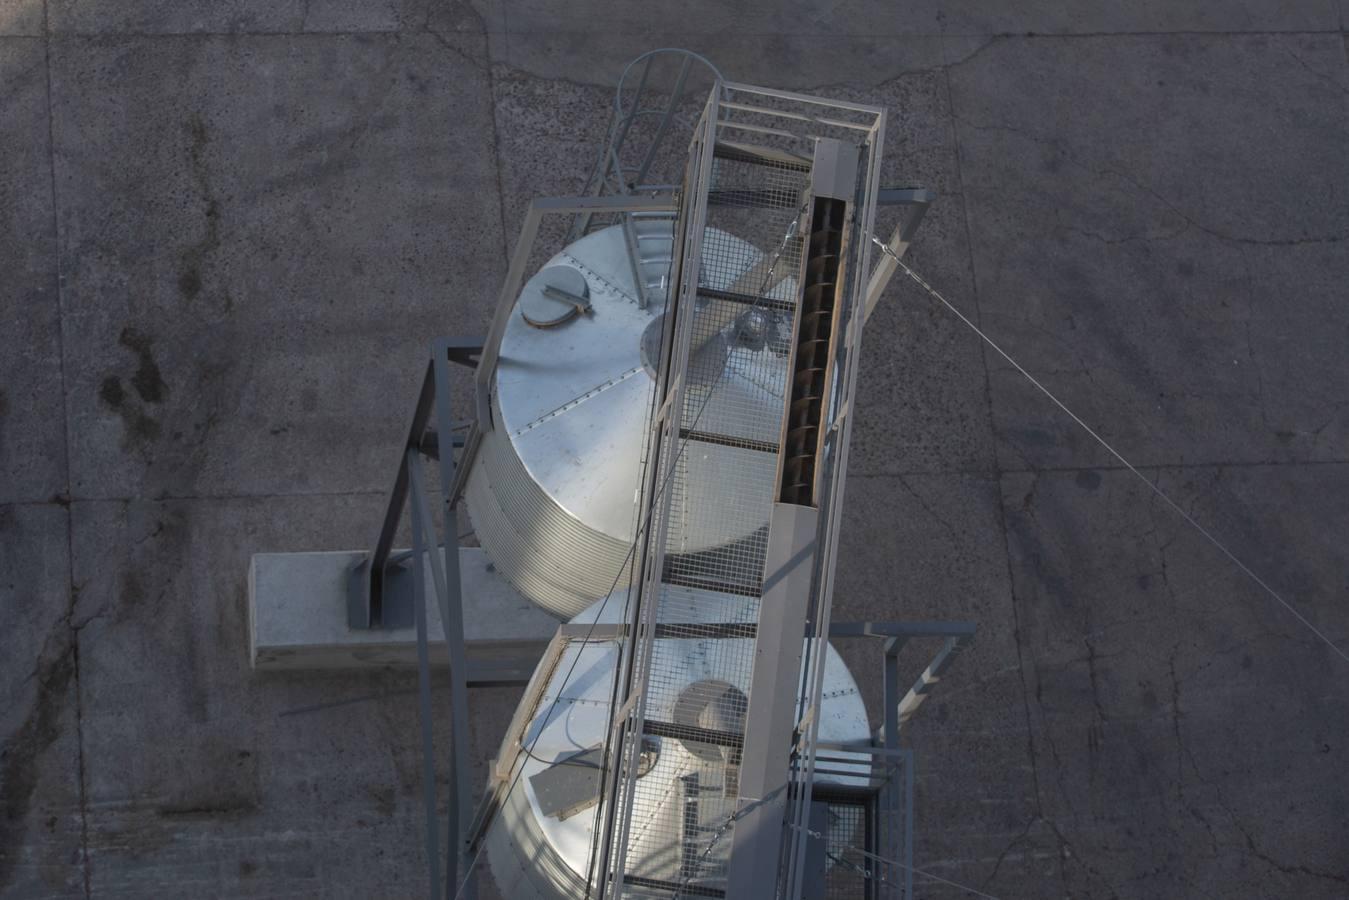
pixel 553 489
pixel 543 854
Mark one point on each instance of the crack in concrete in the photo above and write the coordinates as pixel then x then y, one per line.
pixel 53 671
pixel 1251 847
pixel 66 665
pixel 1317 73
pixel 483 67
pixel 927 508
pixel 1030 823
pixel 57 674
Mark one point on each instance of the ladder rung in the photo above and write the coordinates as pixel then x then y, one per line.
pixel 694 733
pixel 728 440
pixel 687 630
pixel 680 579
pixel 747 299
pixel 753 197
pixel 760 157
pixel 679 889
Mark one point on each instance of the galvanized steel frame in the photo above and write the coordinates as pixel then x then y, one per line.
pixel 373 604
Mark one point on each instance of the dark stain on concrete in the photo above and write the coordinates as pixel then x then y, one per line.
pixel 21 752
pixel 111 393
pixel 147 381
pixel 385 798
pixel 139 427
pixel 190 281
pixel 224 784
pixel 148 384
pixel 1088 480
pixel 132 593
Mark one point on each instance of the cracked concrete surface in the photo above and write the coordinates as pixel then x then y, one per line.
pixel 228 230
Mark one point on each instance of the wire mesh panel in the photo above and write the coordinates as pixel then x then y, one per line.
pixel 726 378
pixel 846 872
pixel 859 837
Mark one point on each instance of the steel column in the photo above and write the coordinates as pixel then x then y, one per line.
pixel 775 691
pixel 424 699
pixel 452 616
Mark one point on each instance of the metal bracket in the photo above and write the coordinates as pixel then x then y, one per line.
pixel 464 351
pixel 919 199
pixel 897 785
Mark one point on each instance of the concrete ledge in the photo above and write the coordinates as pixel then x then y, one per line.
pixel 297 610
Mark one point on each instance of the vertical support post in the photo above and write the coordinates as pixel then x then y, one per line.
pixel 908 825
pixel 442 557
pixel 890 684
pixel 449 592
pixel 424 694
pixel 370 596
pixel 890 814
pixel 789 567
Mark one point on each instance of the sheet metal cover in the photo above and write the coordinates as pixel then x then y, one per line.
pixel 574 399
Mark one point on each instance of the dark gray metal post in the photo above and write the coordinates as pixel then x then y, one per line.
pixel 908 825
pixel 889 813
pixel 450 602
pixel 369 603
pixel 452 616
pixel 424 698
pixel 370 597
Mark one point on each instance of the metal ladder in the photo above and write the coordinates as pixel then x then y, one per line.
pixel 650 240
pixel 648 236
